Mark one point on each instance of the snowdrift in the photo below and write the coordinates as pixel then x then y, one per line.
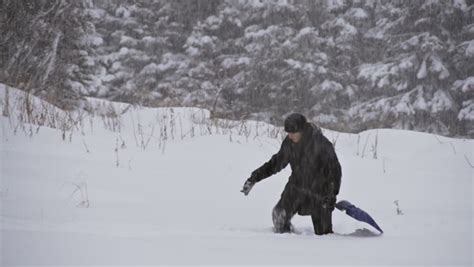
pixel 129 185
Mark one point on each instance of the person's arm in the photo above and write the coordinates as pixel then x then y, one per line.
pixel 335 178
pixel 334 169
pixel 277 162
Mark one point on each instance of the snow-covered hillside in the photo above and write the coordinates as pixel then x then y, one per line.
pixel 131 185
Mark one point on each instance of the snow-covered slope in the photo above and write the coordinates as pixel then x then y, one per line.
pixel 161 186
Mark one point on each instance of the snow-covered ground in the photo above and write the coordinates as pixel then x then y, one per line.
pixel 161 186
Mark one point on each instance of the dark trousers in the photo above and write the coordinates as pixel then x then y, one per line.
pixel 288 206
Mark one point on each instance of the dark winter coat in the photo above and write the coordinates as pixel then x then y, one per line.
pixel 314 166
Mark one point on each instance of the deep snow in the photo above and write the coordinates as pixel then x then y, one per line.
pixel 178 201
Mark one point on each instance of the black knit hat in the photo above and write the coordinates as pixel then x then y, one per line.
pixel 295 123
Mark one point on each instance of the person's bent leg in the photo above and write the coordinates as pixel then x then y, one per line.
pixel 281 217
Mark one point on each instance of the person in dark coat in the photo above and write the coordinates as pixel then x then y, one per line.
pixel 315 179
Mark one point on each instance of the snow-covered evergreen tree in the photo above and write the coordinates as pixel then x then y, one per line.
pixel 347 64
pixel 409 87
pixel 45 48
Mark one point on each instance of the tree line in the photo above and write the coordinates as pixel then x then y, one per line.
pixel 348 65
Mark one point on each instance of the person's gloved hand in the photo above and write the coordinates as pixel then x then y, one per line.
pixel 329 202
pixel 247 186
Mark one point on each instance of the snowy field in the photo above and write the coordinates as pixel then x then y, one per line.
pixel 161 186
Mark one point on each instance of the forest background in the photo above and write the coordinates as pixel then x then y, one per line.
pixel 349 65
